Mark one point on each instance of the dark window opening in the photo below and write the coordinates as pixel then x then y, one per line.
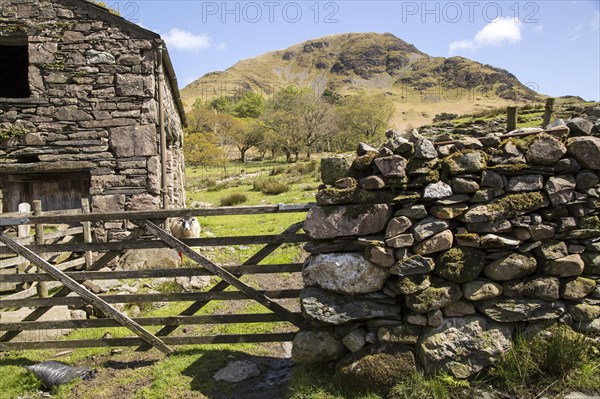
pixel 14 71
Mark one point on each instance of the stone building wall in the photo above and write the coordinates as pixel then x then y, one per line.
pixel 437 253
pixel 93 106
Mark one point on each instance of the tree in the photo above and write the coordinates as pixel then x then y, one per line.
pixel 317 120
pixel 366 115
pixel 282 117
pixel 245 134
pixel 202 149
pixel 251 105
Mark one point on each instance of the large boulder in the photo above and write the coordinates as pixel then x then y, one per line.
pixel 316 346
pixel 152 258
pixel 322 307
pixel 392 166
pixel 580 126
pixel 545 150
pixel 463 346
pixel 460 264
pixel 348 273
pixel 350 220
pixel 560 189
pixel 586 150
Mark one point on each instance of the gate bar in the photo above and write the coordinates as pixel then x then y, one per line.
pixel 220 272
pixel 91 298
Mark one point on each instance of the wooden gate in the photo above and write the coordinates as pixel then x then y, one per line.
pixel 72 292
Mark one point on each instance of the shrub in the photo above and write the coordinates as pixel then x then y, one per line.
pixel 444 116
pixel 233 199
pixel 270 186
pixel 277 170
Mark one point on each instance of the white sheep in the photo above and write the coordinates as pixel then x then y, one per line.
pixel 185 227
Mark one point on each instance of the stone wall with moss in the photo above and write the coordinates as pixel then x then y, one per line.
pixel 440 252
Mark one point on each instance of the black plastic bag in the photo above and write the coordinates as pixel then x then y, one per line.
pixel 53 374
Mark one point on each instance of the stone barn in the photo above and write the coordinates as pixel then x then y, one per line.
pixel 89 108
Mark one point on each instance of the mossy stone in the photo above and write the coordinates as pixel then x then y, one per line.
pixel 433 298
pixel 460 265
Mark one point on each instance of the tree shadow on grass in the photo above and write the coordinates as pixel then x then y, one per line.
pixel 21 361
pixel 272 382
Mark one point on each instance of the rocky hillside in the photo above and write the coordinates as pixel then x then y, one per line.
pixel 419 84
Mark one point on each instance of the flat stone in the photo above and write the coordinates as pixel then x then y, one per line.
pixel 459 308
pixel 489 178
pixel 237 371
pixel 560 189
pixel 405 334
pixel 463 346
pixel 437 190
pixel 324 307
pixel 393 166
pixel 498 241
pixel 580 126
pixel 525 183
pixel 416 264
pixel 372 183
pixel 507 310
pixel 132 141
pixel 347 273
pixel 412 212
pixel 397 225
pixel 507 207
pixel 346 182
pixel 439 242
pixel 350 220
pixel 428 227
pixel 449 211
pixel 546 288
pixel 586 150
pixel 316 346
pixel 500 226
pixel 511 267
pixel 478 290
pixel 584 312
pixel 545 150
pixel 461 185
pixel 571 265
pixel 467 161
pixel 575 289
pixel 400 241
pixel 460 265
pixel 552 249
pixel 434 297
pixel 364 149
pixel 380 255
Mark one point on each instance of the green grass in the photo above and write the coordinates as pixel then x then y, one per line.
pixel 233 199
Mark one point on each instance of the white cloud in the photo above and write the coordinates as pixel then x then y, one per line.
pixel 497 33
pixel 184 40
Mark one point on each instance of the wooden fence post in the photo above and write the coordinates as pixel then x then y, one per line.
pixel 87 233
pixel 42 287
pixel 511 119
pixel 548 112
pixel 24 230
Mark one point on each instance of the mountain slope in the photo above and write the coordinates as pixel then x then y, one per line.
pixel 421 86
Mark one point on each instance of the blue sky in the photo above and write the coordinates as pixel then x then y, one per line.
pixel 552 46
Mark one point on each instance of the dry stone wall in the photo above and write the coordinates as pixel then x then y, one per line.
pixel 447 249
